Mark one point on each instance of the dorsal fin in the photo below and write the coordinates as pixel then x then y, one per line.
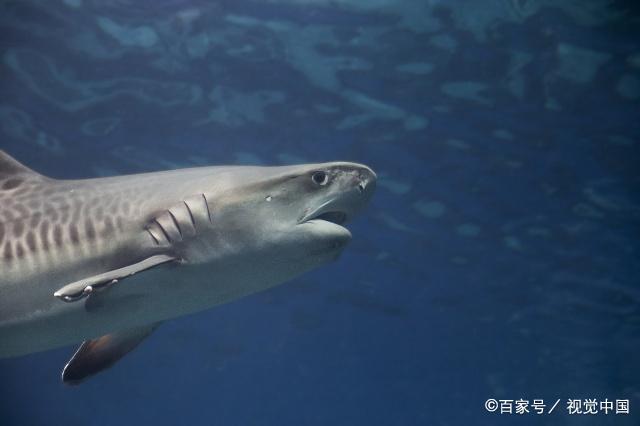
pixel 9 167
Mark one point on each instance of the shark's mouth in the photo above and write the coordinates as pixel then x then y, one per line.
pixel 337 217
pixel 330 217
pixel 327 225
pixel 327 212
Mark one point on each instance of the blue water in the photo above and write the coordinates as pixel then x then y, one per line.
pixel 498 259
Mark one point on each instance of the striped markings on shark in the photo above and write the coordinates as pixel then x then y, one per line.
pixel 104 261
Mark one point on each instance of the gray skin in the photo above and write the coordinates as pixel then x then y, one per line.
pixel 230 231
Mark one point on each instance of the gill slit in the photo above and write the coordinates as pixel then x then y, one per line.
pixel 163 231
pixel 193 222
pixel 207 205
pixel 152 236
pixel 175 222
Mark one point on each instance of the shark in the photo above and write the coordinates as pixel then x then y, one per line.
pixel 101 262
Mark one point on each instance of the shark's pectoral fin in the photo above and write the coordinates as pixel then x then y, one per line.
pixel 80 289
pixel 96 355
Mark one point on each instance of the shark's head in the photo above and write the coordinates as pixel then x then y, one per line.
pixel 292 217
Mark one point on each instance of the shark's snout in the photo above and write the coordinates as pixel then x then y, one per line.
pixel 363 182
pixel 366 180
pixel 355 185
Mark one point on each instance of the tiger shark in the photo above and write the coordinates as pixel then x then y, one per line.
pixel 104 261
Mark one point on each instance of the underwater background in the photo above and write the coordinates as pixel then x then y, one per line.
pixel 498 259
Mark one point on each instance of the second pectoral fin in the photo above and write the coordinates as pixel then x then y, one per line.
pixel 96 355
pixel 82 288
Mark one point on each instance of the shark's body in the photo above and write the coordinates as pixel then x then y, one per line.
pixel 123 253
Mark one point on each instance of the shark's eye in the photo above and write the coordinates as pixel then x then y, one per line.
pixel 320 177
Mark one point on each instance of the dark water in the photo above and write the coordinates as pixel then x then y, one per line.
pixel 499 258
